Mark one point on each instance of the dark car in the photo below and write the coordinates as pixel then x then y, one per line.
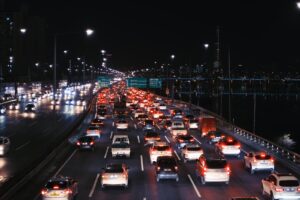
pixel 183 140
pixel 30 107
pixel 86 142
pixel 215 136
pixel 166 168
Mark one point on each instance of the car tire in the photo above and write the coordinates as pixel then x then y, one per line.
pixel 203 180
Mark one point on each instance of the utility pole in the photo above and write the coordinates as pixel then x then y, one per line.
pixel 229 86
pixel 54 69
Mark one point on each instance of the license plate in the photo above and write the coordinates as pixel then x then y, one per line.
pixel 54 194
pixel 167 170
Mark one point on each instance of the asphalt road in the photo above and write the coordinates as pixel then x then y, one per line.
pixel 85 166
pixel 31 135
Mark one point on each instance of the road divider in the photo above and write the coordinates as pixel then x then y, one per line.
pixel 142 163
pixel 105 155
pixel 167 139
pixel 197 140
pixel 23 145
pixel 177 155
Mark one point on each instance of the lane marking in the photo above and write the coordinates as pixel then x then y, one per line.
pixel 245 152
pixel 197 140
pixel 94 185
pixel 105 155
pixel 131 118
pixel 32 124
pixel 138 139
pixel 23 145
pixel 142 163
pixel 144 198
pixel 135 126
pixel 113 123
pixel 194 186
pixel 111 134
pixel 58 171
pixel 167 139
pixel 177 155
pixel 158 127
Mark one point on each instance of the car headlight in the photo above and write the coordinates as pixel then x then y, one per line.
pixel 17 107
pixel 10 107
pixel 84 103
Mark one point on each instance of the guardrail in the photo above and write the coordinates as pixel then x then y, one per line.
pixel 287 157
pixel 7 102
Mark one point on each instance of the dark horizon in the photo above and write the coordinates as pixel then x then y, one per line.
pixel 261 35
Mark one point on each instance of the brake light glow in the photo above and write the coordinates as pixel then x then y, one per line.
pixel 176 168
pixel 181 140
pixel 278 189
pixel 298 189
pixel 92 143
pixel 78 143
pixel 158 168
pixel 68 191
pixel 55 187
pixel 44 191
pixel 237 146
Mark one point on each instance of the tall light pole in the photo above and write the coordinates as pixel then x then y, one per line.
pixel 298 4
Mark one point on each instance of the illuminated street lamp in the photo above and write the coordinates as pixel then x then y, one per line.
pixel 298 4
pixel 103 51
pixel 23 30
pixel 206 46
pixel 89 32
pixel 172 56
pixel 65 51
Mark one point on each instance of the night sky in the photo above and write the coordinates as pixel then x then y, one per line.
pixel 262 34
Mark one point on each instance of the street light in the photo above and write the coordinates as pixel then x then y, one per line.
pixel 172 56
pixel 89 32
pixel 23 30
pixel 298 5
pixel 65 51
pixel 206 46
pixel 103 51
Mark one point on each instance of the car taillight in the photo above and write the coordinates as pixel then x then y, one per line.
pixel 192 140
pixel 204 170
pixel 298 189
pixel 181 140
pixel 228 170
pixel 91 143
pixel 212 136
pixel 78 143
pixel 238 146
pixel 124 175
pixel 272 160
pixel 176 168
pixel 68 191
pixel 44 191
pixel 278 189
pixel 158 168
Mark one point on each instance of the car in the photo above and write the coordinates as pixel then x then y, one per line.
pixel 119 149
pixel 281 186
pixel 214 136
pixel 212 169
pixel 4 145
pixel 159 149
pixel 244 198
pixel 178 131
pixel 193 124
pixel 157 114
pixel 259 161
pixel 168 124
pixel 70 102
pixel 55 102
pixel 86 142
pixel 81 102
pixel 14 106
pixel 60 188
pixel 122 125
pixel 2 109
pixel 183 140
pixel 101 114
pixel 115 175
pixel 148 127
pixel 162 107
pixel 142 117
pixel 228 146
pixel 137 113
pixel 120 139
pixel 177 124
pixel 93 131
pixel 151 137
pixel 148 122
pixel 97 122
pixel 191 152
pixel 30 107
pixel 166 167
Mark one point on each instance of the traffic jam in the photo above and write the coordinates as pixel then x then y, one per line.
pixel 174 136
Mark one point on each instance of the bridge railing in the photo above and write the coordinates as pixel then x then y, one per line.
pixel 286 156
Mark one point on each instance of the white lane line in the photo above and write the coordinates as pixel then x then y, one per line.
pixel 245 152
pixel 23 145
pixel 105 155
pixel 138 139
pixel 135 126
pixel 59 170
pixel 111 134
pixel 131 118
pixel 113 123
pixel 158 127
pixel 144 198
pixel 177 155
pixel 194 186
pixel 32 124
pixel 197 140
pixel 142 163
pixel 167 139
pixel 94 185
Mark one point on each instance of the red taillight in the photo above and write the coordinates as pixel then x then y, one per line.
pixel 278 189
pixel 272 160
pixel 78 143
pixel 298 189
pixel 158 168
pixel 44 191
pixel 238 146
pixel 181 140
pixel 212 136
pixel 68 191
pixel 92 143
pixel 192 140
pixel 204 170
pixel 228 170
pixel 56 187
pixel 176 168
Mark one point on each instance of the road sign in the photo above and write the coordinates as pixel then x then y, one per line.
pixel 155 83
pixel 104 81
pixel 137 82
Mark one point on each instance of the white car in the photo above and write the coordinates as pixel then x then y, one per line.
pixel 4 145
pixel 120 149
pixel 193 124
pixel 114 175
pixel 281 186
pixel 212 170
pixel 60 188
pixel 94 131
pixel 137 113
pixel 177 124
pixel 191 152
pixel 120 139
pixel 159 149
pixel 229 146
pixel 162 107
pixel 259 161
pixel 122 125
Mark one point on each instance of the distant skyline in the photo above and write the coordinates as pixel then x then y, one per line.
pixel 263 35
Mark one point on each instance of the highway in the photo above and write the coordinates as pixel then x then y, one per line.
pixel 86 166
pixel 33 135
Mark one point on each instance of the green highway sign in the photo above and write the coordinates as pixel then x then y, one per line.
pixel 137 82
pixel 104 81
pixel 155 83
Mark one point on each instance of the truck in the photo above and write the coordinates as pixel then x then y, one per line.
pixel 207 123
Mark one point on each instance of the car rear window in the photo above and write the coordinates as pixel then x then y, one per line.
pixel 120 145
pixel 193 148
pixel 166 161
pixel 289 183
pixel 121 139
pixel 57 185
pixel 113 169
pixel 178 124
pixel 152 134
pixel 216 164
pixel 194 121
pixel 86 139
pixel 259 157
pixel 93 128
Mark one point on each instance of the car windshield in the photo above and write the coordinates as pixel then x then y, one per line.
pixel 57 185
pixel 166 161
pixel 289 183
pixel 92 128
pixel 114 169
pixel 120 145
pixel 152 134
pixel 216 164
